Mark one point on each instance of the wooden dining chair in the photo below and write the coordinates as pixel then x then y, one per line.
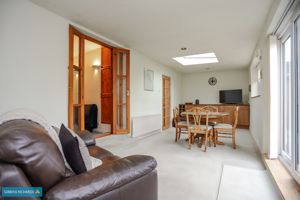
pixel 212 122
pixel 228 130
pixel 196 128
pixel 179 125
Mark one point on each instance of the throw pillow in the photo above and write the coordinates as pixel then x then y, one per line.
pixel 84 151
pixel 70 146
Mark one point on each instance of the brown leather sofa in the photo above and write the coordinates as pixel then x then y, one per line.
pixel 28 157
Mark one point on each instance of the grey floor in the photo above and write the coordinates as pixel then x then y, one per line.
pixel 189 174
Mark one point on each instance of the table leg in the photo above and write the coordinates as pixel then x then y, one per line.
pixel 219 142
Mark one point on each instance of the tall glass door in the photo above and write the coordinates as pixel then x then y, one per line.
pixel 287 97
pixel 121 96
pixel 297 57
pixel 76 82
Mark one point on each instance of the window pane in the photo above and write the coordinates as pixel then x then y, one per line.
pixel 121 91
pixel 76 51
pixel 287 98
pixel 297 26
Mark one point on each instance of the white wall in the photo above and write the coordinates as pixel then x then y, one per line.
pixel 33 60
pixel 195 85
pixel 259 109
pixel 34 65
pixel 260 106
pixel 150 102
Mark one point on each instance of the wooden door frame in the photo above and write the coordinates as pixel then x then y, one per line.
pixel 115 106
pixel 74 31
pixel 163 90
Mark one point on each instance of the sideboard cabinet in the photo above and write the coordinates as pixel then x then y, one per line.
pixel 243 115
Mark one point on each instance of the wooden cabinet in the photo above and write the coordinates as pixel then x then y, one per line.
pixel 243 115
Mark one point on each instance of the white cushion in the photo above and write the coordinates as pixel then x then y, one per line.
pixel 221 125
pixel 95 162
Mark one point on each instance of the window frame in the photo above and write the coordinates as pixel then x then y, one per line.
pixel 291 163
pixel 296 144
pixel 283 155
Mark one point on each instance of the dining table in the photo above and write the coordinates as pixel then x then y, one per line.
pixel 210 115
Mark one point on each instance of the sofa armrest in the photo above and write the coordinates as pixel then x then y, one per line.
pixel 87 137
pixel 103 179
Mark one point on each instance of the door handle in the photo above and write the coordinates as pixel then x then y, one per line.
pixel 127 93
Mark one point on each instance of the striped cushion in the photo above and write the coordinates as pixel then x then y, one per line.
pixel 227 126
pixel 182 123
pixel 203 127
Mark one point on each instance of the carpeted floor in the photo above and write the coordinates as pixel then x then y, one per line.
pixel 189 174
pixel 246 184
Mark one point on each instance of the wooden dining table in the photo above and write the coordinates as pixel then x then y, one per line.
pixel 210 115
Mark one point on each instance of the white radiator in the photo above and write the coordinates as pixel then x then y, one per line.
pixel 144 125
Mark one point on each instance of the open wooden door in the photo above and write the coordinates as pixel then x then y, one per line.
pixel 121 91
pixel 106 86
pixel 166 102
pixel 76 79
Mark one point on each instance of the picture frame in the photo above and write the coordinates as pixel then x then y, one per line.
pixel 256 78
pixel 148 80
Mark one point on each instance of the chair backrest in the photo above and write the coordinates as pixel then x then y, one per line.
pixel 211 108
pixel 197 115
pixel 236 116
pixel 176 115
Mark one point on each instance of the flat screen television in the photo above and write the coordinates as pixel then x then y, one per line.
pixel 231 96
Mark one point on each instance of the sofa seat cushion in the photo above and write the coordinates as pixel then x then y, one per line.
pixel 26 145
pixel 103 179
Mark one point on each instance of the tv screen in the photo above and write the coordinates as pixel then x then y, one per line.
pixel 231 96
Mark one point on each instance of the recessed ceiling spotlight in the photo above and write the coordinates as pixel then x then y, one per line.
pixel 183 48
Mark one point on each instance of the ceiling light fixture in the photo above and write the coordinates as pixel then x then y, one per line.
pixel 197 59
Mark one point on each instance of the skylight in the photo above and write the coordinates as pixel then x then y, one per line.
pixel 197 59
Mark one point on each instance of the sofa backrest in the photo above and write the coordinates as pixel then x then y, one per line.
pixel 27 145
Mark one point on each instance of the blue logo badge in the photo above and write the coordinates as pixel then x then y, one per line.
pixel 22 192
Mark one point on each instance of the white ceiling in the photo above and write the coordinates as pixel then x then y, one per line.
pixel 159 28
